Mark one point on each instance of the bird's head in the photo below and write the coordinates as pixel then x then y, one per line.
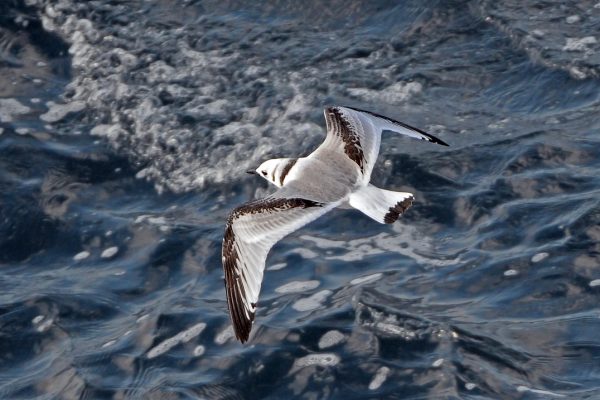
pixel 275 171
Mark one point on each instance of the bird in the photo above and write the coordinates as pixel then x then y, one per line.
pixel 336 174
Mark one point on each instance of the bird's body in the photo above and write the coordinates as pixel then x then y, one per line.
pixel 322 180
pixel 336 174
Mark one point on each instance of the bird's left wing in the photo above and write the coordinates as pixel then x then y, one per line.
pixel 357 133
pixel 252 229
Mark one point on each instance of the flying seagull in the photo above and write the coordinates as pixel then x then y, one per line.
pixel 336 174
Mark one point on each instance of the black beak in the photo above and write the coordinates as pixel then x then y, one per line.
pixel 252 172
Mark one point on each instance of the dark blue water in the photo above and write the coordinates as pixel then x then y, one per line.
pixel 125 131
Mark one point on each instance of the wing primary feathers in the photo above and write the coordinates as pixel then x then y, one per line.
pixel 429 137
pixel 235 291
pixel 237 270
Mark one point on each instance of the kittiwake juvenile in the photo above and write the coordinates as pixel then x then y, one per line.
pixel 336 174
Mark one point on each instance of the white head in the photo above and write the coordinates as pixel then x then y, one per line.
pixel 276 170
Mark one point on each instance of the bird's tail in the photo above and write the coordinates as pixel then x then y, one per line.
pixel 384 206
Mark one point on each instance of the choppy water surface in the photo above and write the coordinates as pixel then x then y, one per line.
pixel 125 131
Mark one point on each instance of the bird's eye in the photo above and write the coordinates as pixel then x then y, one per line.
pixel 264 173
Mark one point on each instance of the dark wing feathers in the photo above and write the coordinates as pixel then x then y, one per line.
pixel 246 243
pixel 339 125
pixel 242 322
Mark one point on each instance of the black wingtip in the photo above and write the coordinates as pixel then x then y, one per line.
pixel 435 140
pixel 242 329
pixel 243 339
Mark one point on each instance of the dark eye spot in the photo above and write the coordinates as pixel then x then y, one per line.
pixel 264 173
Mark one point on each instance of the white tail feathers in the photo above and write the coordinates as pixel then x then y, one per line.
pixel 384 206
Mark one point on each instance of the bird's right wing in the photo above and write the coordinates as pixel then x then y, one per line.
pixel 252 229
pixel 357 133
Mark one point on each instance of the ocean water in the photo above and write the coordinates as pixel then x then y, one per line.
pixel 125 131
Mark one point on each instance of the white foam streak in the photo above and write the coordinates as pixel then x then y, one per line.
pixel 366 279
pixel 11 107
pixel 312 302
pixel 406 241
pixel 81 255
pixel 298 286
pixel 379 378
pixel 320 359
pixel 57 112
pixel 393 94
pixel 181 337
pixel 331 339
pixel 522 389
pixel 110 252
